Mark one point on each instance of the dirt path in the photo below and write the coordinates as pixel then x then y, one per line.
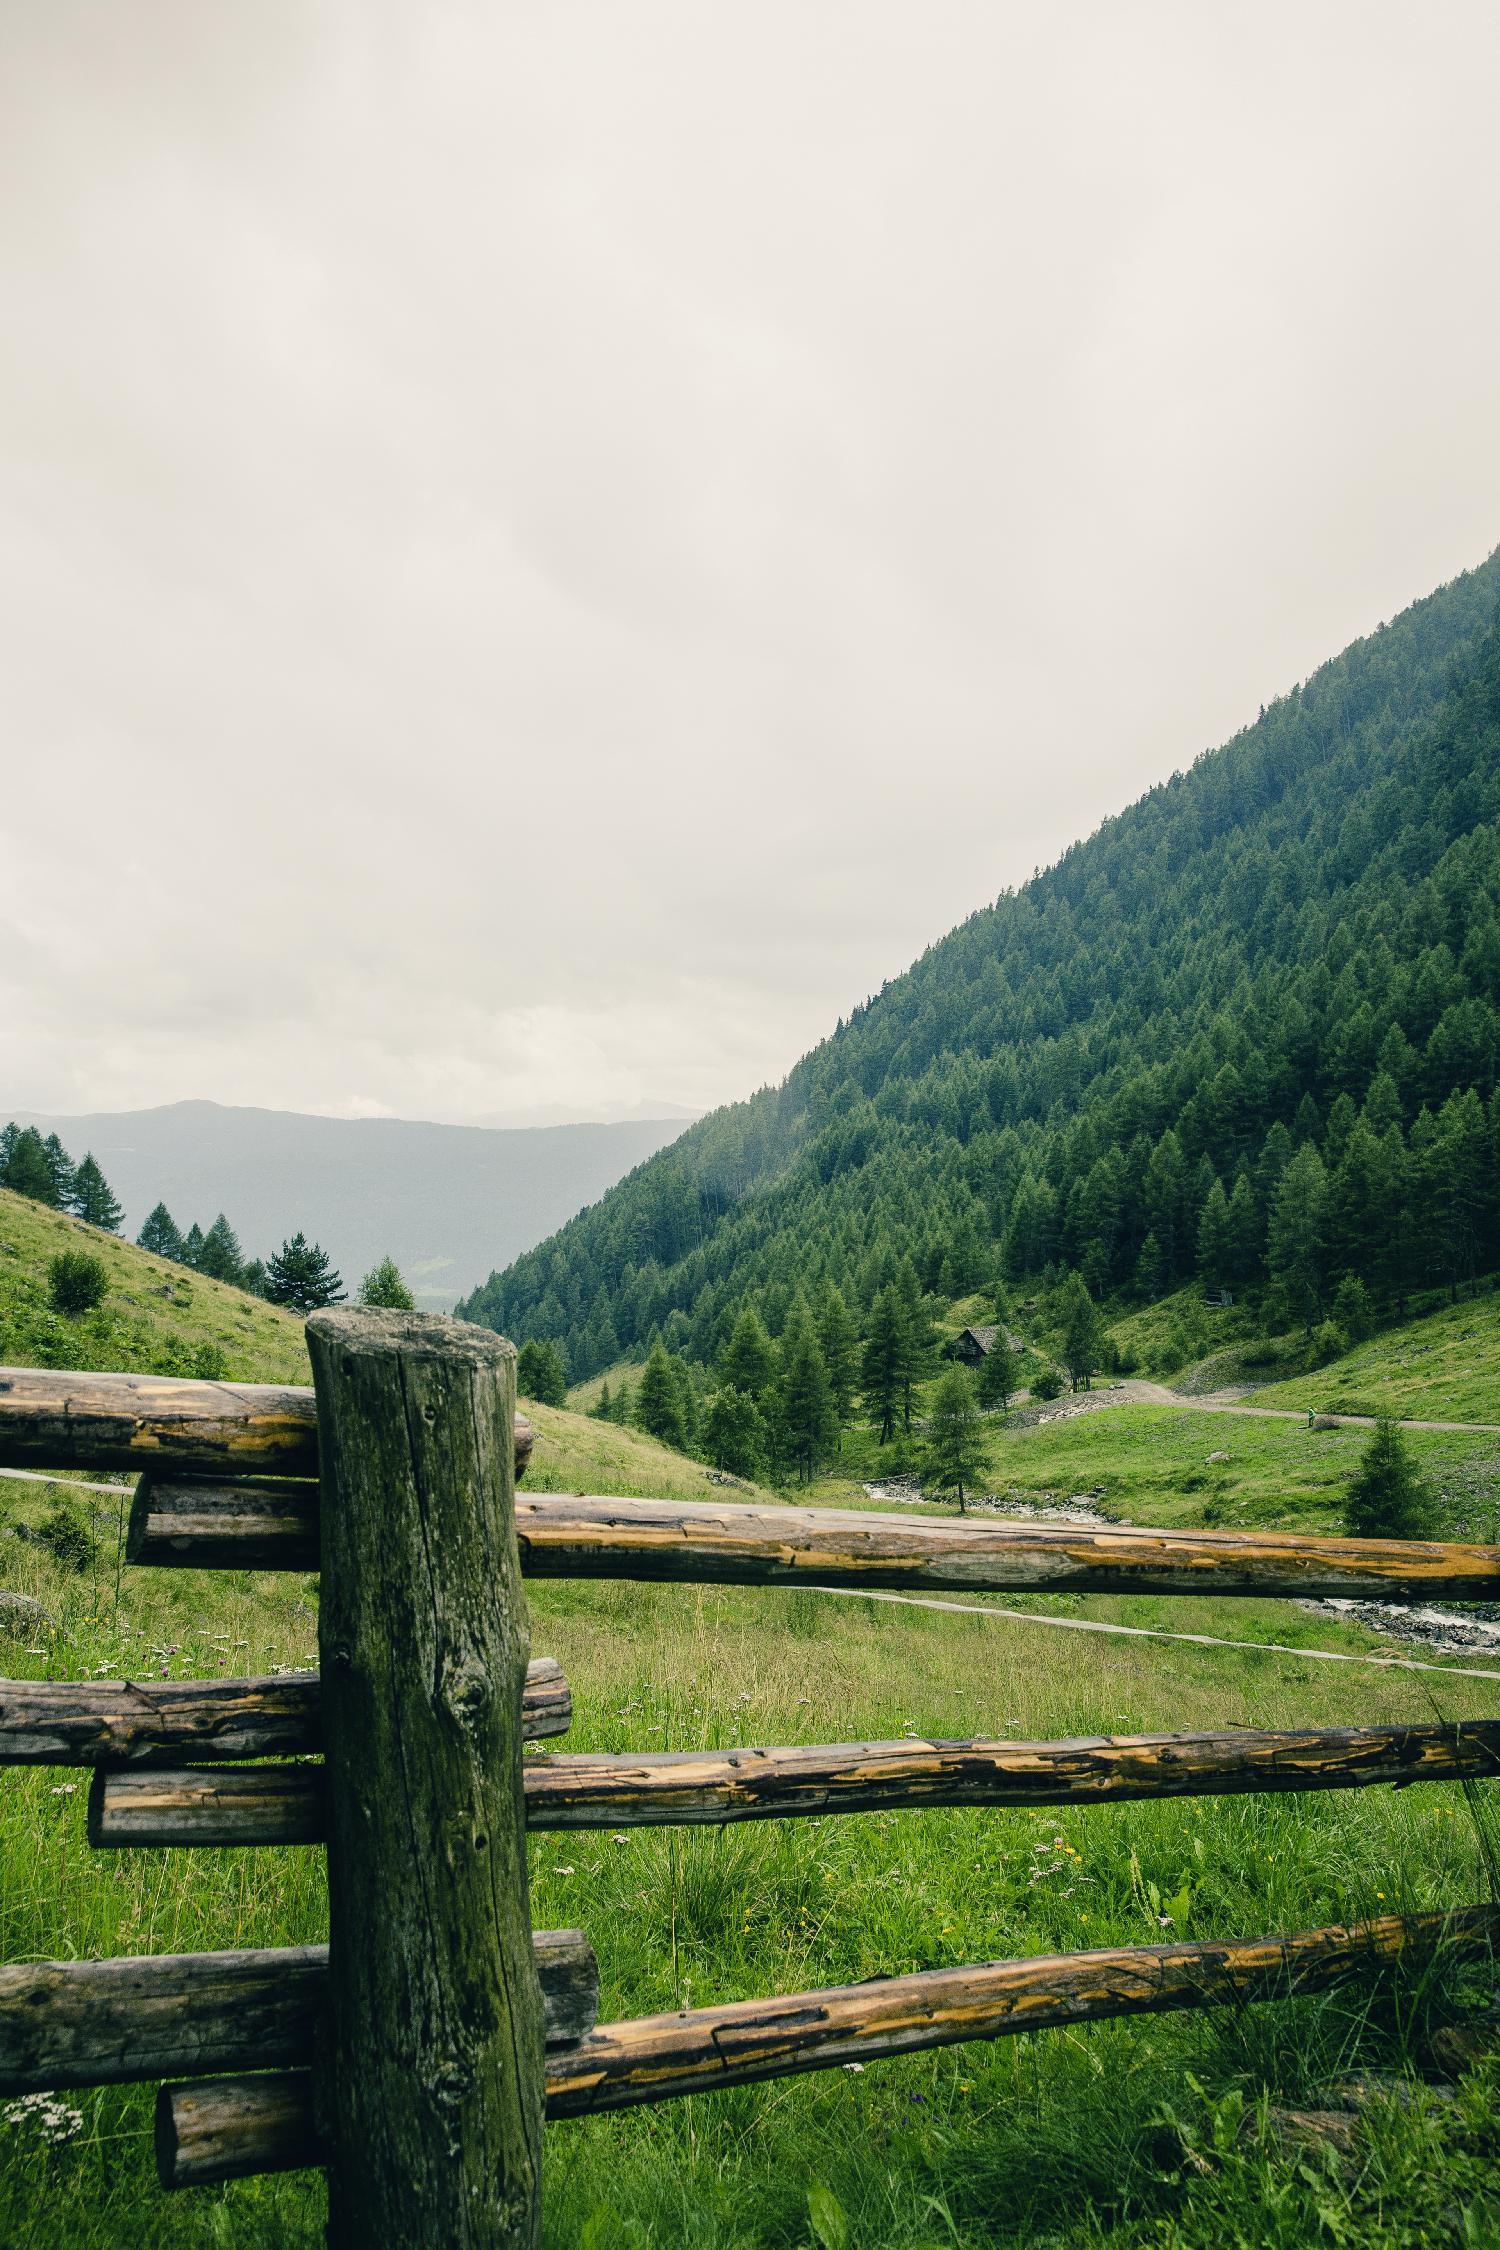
pixel 1141 1393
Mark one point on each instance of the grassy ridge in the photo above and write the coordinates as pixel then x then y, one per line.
pixel 157 1319
pixel 1443 1368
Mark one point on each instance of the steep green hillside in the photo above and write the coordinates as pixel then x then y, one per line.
pixel 1445 1368
pixel 1249 1028
pixel 158 1318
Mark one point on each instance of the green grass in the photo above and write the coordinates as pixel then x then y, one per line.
pixel 1065 2138
pixel 1444 1368
pixel 157 1318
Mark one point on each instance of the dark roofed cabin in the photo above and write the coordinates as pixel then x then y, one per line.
pixel 972 1345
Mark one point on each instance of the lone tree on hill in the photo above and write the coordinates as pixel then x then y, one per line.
pixel 161 1236
pixel 92 1199
pixel 955 1439
pixel 301 1277
pixel 383 1285
pixel 996 1382
pixel 1387 1499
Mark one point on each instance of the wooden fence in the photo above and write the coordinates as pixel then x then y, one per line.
pixel 418 2052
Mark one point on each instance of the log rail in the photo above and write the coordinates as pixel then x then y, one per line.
pixel 220 2130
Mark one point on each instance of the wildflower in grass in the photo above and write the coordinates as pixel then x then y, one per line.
pixel 565 1871
pixel 64 1788
pixel 53 2121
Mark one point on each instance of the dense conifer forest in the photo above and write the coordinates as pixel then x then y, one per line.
pixel 1247 1031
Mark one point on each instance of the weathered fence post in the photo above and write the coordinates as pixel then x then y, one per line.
pixel 432 2084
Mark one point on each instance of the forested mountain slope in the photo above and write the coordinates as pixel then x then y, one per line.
pixel 1251 1023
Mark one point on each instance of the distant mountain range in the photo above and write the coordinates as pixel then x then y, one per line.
pixel 449 1203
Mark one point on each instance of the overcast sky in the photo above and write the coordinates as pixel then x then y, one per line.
pixel 546 550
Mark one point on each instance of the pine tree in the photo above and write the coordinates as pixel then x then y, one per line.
pixel 383 1285
pixel 27 1171
pixel 300 1276
pixel 220 1255
pixel 540 1373
pixel 995 1384
pixel 883 1360
pixel 1214 1238
pixel 734 1434
pixel 1083 1332
pixel 92 1199
pixel 809 1420
pixel 192 1245
pixel 748 1360
pixel 658 1403
pixel 955 1438
pixel 160 1235
pixel 60 1172
pixel 840 1348
pixel 1297 1239
pixel 1387 1499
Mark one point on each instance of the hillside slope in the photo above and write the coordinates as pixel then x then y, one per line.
pixel 1303 926
pixel 158 1318
pixel 447 1202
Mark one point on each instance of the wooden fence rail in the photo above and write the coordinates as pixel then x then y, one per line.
pixel 211 2131
pixel 571 1535
pixel 269 1804
pixel 438 2027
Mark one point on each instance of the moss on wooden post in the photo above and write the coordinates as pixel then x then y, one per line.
pixel 432 2081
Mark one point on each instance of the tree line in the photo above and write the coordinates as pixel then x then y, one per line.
pixel 1249 1031
pixel 299 1276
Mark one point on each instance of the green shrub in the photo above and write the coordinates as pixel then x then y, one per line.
pixel 1387 1499
pixel 1326 1343
pixel 68 1534
pixel 77 1281
pixel 1048 1384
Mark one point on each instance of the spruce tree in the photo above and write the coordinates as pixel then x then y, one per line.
pixel 1387 1499
pixel 27 1170
pixel 192 1245
pixel 540 1373
pixel 995 1384
pixel 160 1236
pixel 955 1439
pixel 809 1420
pixel 748 1361
pixel 220 1255
pixel 734 1434
pixel 301 1276
pixel 60 1172
pixel 840 1348
pixel 1297 1239
pixel 1082 1332
pixel 658 1402
pixel 384 1286
pixel 92 1199
pixel 883 1360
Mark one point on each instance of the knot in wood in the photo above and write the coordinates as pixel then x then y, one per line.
pixel 464 1690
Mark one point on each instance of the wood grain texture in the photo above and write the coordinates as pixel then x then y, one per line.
pixel 655 2058
pixel 284 1804
pixel 566 1535
pixel 93 1722
pixel 223 2128
pixel 730 1543
pixel 99 2023
pixel 434 2078
pixel 56 1419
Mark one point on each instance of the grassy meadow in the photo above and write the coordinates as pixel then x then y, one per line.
pixel 1170 2131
